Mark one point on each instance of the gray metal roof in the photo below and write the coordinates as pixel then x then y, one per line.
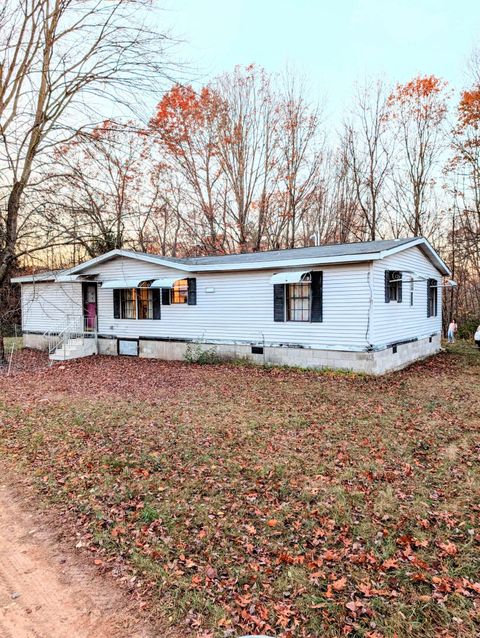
pixel 44 275
pixel 287 258
pixel 312 252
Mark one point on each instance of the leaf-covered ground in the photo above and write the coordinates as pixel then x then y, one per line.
pixel 239 500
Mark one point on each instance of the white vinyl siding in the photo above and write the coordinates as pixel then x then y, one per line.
pixel 237 307
pixel 241 308
pixel 401 321
pixel 45 306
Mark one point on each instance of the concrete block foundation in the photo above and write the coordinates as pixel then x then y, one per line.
pixel 377 362
pixel 35 341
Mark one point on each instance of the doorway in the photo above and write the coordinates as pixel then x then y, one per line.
pixel 89 307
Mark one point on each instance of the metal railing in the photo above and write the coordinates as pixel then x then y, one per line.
pixel 72 329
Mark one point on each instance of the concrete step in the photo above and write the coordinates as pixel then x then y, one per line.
pixel 74 350
pixel 60 357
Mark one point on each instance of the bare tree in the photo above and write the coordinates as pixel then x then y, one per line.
pixel 301 152
pixel 52 54
pixel 100 194
pixel 246 147
pixel 56 58
pixel 419 109
pixel 369 145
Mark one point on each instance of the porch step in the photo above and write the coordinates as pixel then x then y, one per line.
pixel 74 349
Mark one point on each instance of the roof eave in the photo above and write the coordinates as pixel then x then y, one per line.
pixel 259 265
pixel 421 242
pixel 425 246
pixel 435 258
pixel 32 278
pixel 153 259
pixel 290 263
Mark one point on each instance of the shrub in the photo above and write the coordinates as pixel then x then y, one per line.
pixel 466 329
pixel 195 353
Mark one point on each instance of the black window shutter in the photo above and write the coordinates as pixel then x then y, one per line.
pixel 432 298
pixel 165 296
pixel 116 304
pixel 192 291
pixel 279 302
pixel 156 303
pixel 387 286
pixel 400 286
pixel 317 297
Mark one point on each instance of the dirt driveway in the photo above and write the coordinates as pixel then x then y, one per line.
pixel 44 593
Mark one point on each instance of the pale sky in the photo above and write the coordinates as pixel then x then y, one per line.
pixel 332 43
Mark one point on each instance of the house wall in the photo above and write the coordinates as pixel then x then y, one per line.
pixel 240 310
pixel 357 331
pixel 47 305
pixel 400 321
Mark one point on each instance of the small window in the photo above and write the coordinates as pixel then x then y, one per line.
pixel 179 292
pixel 432 298
pixel 393 284
pixel 128 303
pixel 145 303
pixel 298 301
pixel 411 291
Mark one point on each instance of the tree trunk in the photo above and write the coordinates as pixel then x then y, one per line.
pixel 8 255
pixel 3 360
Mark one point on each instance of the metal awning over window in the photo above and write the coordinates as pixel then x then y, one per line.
pixel 123 283
pixel 165 282
pixel 290 277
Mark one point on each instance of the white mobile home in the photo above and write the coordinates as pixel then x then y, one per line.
pixel 370 306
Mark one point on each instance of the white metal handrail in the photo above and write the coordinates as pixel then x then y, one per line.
pixel 70 330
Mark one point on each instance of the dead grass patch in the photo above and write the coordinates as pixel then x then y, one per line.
pixel 250 500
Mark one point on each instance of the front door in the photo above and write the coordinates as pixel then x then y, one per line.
pixel 90 306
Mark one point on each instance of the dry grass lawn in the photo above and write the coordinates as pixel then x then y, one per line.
pixel 237 500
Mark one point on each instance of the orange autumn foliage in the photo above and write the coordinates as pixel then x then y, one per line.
pixel 422 97
pixel 467 141
pixel 469 108
pixel 182 112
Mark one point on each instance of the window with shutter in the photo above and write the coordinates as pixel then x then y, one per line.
pixel 145 303
pixel 179 292
pixel 136 303
pixel 299 301
pixel 128 303
pixel 432 298
pixel 393 286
